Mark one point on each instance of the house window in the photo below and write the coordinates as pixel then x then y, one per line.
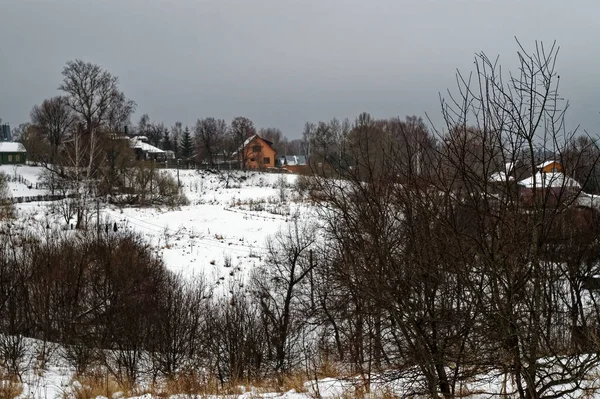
pixel 256 148
pixel 10 158
pixel 266 160
pixel 17 158
pixel 554 170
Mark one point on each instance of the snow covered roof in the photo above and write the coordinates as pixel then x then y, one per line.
pixel 500 177
pixel 294 160
pixel 136 143
pixel 555 180
pixel 7 146
pixel 248 140
pixel 504 175
pixel 544 164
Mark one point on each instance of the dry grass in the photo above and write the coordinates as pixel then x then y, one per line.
pixel 10 388
pixel 294 381
pixel 187 383
pixel 94 384
pixel 328 369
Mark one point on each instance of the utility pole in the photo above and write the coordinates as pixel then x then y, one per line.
pixel 98 217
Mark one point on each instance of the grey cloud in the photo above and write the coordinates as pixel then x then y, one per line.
pixel 284 62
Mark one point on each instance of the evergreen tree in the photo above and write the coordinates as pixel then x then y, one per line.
pixel 186 147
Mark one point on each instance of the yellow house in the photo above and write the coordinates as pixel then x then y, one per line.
pixel 551 167
pixel 256 153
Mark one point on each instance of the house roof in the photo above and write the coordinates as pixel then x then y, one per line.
pixel 249 140
pixel 136 143
pixel 555 180
pixel 544 164
pixel 294 160
pixel 500 177
pixel 8 146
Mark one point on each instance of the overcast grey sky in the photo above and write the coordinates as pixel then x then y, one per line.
pixel 284 62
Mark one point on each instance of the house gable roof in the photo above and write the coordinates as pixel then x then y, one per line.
pixel 295 160
pixel 139 144
pixel 8 146
pixel 250 139
pixel 550 180
pixel 547 163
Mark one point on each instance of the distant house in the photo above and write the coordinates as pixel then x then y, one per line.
pixel 12 153
pixel 294 163
pixel 255 153
pixel 550 167
pixel 145 151
pixel 549 183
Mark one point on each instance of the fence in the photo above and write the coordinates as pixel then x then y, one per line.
pixel 39 198
pixel 226 166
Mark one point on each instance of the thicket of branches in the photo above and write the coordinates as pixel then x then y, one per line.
pixel 451 274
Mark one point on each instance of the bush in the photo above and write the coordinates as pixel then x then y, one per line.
pixel 148 186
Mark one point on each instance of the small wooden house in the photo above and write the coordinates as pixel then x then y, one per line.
pixel 255 153
pixel 551 167
pixel 549 183
pixel 146 152
pixel 12 153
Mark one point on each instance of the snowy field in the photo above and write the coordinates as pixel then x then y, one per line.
pixel 222 234
pixel 220 223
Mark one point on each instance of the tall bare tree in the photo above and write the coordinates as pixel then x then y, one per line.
pixel 241 129
pixel 210 135
pixel 93 95
pixel 53 120
pixel 91 92
pixel 282 288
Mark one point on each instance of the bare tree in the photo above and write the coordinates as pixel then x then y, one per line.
pixel 280 287
pixel 241 129
pixel 91 91
pixel 210 135
pixel 120 111
pixel 53 120
pixel 516 233
pixel 307 135
pixel 93 95
pixel 275 136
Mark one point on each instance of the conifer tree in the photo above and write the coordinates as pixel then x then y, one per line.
pixel 186 147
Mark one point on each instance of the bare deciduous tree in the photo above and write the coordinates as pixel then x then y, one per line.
pixel 281 288
pixel 210 135
pixel 53 120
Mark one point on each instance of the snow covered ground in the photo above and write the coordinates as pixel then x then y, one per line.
pixel 229 217
pixel 29 174
pixel 220 223
pixel 222 234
